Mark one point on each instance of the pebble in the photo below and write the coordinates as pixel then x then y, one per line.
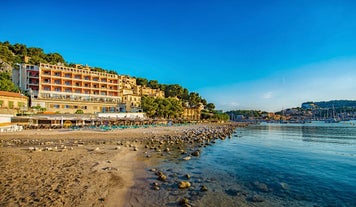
pixel 187 158
pixel 184 185
pixel 196 153
pixel 284 186
pixel 203 188
pixel 257 198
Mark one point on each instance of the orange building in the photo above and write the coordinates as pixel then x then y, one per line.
pixel 65 89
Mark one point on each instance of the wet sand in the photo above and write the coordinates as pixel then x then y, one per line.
pixel 74 168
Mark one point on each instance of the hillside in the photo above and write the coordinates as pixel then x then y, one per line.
pixel 10 54
pixel 334 103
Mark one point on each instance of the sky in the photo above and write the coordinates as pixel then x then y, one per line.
pixel 263 55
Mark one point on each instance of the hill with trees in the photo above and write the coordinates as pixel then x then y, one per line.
pixel 337 104
pixel 176 96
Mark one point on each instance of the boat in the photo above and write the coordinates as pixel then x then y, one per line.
pixel 333 119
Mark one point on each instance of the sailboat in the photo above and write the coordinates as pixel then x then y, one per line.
pixel 333 119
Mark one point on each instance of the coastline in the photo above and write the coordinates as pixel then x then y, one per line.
pixel 76 168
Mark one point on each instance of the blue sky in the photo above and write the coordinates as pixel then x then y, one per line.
pixel 264 55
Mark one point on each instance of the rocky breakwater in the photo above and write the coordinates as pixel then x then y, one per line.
pixel 174 185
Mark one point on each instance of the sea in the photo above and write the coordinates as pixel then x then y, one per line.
pixel 312 164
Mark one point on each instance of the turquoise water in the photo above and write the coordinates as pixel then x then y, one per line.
pixel 283 165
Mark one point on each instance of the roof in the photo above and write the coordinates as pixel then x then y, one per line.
pixel 12 94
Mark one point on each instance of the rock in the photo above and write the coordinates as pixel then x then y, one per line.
pixel 184 185
pixel 187 176
pixel 187 158
pixel 155 186
pixel 135 149
pixel 161 176
pixel 196 153
pixel 263 187
pixel 117 148
pixel 97 149
pixel 184 201
pixel 257 198
pixel 204 188
pixel 38 149
pixel 284 186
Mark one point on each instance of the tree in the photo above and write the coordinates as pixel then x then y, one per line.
pixel 153 84
pixel 221 117
pixel 5 54
pixel 6 84
pixel 210 107
pixel 149 105
pixel 173 90
pixel 176 108
pixel 54 58
pixel 194 99
pixel 142 81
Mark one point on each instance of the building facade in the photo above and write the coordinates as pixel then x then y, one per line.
pixel 13 103
pixel 63 89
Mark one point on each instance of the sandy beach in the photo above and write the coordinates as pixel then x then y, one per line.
pixel 73 168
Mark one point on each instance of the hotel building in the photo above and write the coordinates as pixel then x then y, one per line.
pixel 63 89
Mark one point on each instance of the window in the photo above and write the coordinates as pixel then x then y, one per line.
pixel 67 106
pixel 11 104
pixel 56 106
pixel 1 103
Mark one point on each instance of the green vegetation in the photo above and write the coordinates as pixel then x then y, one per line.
pixel 335 103
pixel 162 107
pixel 189 99
pixel 16 54
pixel 248 113
pixel 79 111
pixel 6 84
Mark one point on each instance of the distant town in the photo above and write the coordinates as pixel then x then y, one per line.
pixel 327 111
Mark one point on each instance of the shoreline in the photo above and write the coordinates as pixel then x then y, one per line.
pixel 81 168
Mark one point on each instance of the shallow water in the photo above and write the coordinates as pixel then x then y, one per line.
pixel 281 165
